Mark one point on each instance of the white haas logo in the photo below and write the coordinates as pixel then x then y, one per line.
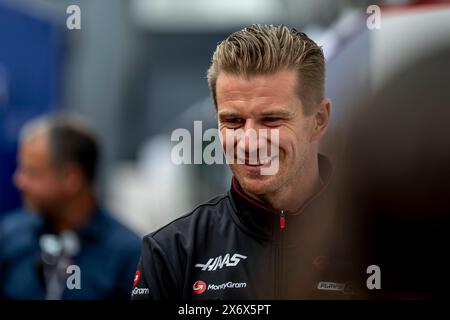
pixel 219 262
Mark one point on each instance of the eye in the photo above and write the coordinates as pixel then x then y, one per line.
pixel 233 121
pixel 272 120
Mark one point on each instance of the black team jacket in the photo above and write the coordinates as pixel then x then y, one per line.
pixel 236 247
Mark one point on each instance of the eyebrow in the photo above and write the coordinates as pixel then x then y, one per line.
pixel 223 114
pixel 276 113
pixel 269 113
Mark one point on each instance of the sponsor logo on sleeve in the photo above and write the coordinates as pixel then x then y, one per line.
pixel 136 278
pixel 141 291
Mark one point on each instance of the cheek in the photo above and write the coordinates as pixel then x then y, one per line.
pixel 223 138
pixel 289 143
pixel 46 188
pixel 227 141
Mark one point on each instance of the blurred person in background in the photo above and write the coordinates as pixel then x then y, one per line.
pixel 62 244
pixel 396 180
pixel 271 236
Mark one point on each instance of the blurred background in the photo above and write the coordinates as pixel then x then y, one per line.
pixel 136 70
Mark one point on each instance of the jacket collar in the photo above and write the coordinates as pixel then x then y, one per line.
pixel 90 231
pixel 263 221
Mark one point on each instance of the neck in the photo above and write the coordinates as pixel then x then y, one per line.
pixel 75 213
pixel 293 196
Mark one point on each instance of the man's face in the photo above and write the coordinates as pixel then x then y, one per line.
pixel 40 184
pixel 266 102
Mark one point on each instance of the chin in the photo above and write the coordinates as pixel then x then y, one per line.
pixel 258 185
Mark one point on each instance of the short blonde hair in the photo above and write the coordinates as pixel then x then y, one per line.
pixel 266 49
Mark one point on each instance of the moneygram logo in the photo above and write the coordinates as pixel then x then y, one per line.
pixel 199 287
pixel 227 285
pixel 141 291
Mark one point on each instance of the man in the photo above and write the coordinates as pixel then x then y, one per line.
pixel 63 245
pixel 269 236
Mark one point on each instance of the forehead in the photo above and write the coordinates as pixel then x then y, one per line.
pixel 35 149
pixel 268 89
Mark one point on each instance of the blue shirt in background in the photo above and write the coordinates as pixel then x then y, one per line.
pixel 108 257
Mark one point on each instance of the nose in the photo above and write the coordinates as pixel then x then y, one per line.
pixel 249 140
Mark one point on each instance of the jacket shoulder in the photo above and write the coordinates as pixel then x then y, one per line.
pixel 117 233
pixel 17 222
pixel 202 216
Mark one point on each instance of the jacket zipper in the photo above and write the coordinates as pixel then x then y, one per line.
pixel 282 220
pixel 279 256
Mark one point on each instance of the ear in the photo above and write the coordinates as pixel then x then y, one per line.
pixel 321 119
pixel 73 178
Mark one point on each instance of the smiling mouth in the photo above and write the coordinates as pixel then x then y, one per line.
pixel 260 163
